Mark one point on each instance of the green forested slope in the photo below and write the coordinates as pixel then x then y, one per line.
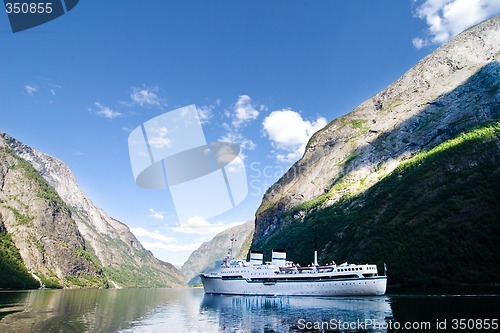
pixel 13 272
pixel 434 220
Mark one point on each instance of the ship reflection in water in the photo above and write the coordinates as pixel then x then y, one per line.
pixel 190 310
pixel 296 314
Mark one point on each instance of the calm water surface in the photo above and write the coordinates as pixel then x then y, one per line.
pixel 189 310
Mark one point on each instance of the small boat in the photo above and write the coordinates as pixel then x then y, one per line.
pixel 282 277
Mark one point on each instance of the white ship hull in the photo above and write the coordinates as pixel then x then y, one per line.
pixel 281 277
pixel 321 287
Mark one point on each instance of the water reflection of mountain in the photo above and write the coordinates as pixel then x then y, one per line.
pixel 189 310
pixel 90 310
pixel 284 314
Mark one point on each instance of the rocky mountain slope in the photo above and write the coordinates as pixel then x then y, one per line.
pixel 61 236
pixel 449 91
pixel 433 220
pixel 210 253
pixel 333 187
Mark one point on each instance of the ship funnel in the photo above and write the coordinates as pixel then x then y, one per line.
pixel 256 258
pixel 279 258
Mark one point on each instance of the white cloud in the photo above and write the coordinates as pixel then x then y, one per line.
pixel 145 96
pixel 158 137
pixel 54 88
pixel 289 132
pixel 244 111
pixel 205 112
pixel 156 215
pixel 30 89
pixel 237 164
pixel 198 225
pixel 155 240
pixel 242 114
pixel 155 235
pixel 106 112
pixel 447 18
pixel 44 86
pixel 238 138
pixel 171 247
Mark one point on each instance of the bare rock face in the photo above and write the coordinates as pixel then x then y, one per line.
pixel 74 221
pixel 210 253
pixel 453 89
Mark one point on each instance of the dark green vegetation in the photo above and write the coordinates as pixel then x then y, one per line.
pixel 13 273
pixel 45 190
pixel 434 220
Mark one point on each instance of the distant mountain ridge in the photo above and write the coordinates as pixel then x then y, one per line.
pixel 454 90
pixel 102 247
pixel 210 253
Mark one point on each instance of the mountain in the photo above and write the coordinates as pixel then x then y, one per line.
pixel 340 187
pixel 209 254
pixel 60 235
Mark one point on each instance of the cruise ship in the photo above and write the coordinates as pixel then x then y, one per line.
pixel 282 277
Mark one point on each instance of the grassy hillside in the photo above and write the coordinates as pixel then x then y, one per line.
pixel 434 220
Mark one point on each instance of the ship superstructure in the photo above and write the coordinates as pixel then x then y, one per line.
pixel 282 277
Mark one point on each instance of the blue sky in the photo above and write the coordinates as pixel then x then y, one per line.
pixel 263 74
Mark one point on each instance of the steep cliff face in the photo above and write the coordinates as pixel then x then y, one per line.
pixel 59 231
pixel 450 91
pixel 42 228
pixel 210 253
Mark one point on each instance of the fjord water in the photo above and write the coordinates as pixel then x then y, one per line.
pixel 189 310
